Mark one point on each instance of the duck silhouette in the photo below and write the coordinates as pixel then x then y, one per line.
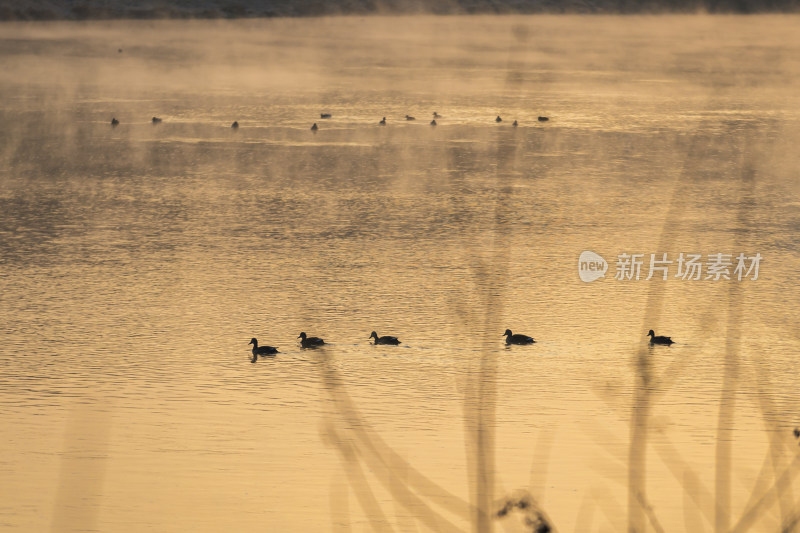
pixel 235 124
pixel 517 338
pixel 436 115
pixel 156 120
pixel 309 342
pixel 409 117
pixel 658 339
pixel 543 119
pixel 325 115
pixel 314 127
pixel 114 121
pixel 262 350
pixel 386 339
pixel 433 122
pixel 498 119
pixel 515 124
pixel 383 121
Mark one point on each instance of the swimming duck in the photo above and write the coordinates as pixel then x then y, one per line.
pixel 543 119
pixel 114 122
pixel 262 350
pixel 433 122
pixel 309 342
pixel 659 340
pixel 383 121
pixel 314 127
pixel 235 125
pixel 515 124
pixel 408 117
pixel 498 119
pixel 436 115
pixel 325 115
pixel 386 339
pixel 517 338
pixel 156 120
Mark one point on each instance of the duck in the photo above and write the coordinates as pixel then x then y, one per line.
pixel 262 350
pixel 409 117
pixel 235 124
pixel 309 342
pixel 433 122
pixel 325 115
pixel 518 338
pixel 383 121
pixel 436 115
pixel 543 119
pixel 515 124
pixel 156 120
pixel 659 340
pixel 498 119
pixel 314 127
pixel 386 339
pixel 114 121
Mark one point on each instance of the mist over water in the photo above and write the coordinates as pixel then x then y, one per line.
pixel 136 262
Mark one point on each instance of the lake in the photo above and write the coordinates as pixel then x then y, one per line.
pixel 137 261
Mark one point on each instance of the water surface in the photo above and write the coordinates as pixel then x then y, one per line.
pixel 136 263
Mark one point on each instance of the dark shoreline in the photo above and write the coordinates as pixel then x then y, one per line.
pixel 231 9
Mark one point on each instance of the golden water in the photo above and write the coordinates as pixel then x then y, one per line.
pixel 136 263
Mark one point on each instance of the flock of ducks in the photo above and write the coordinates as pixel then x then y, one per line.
pixel 314 127
pixel 511 338
pixel 312 342
pixel 382 122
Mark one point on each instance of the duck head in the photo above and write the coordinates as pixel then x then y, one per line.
pixel 507 333
pixel 302 335
pixel 253 341
pixel 373 335
pixel 651 333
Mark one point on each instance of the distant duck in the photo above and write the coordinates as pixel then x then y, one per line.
pixel 436 115
pixel 384 340
pixel 659 340
pixel 408 117
pixel 119 50
pixel 262 350
pixel 314 127
pixel 235 125
pixel 433 122
pixel 156 120
pixel 383 121
pixel 309 342
pixel 325 115
pixel 515 124
pixel 114 122
pixel 543 119
pixel 517 338
pixel 797 433
pixel 498 119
